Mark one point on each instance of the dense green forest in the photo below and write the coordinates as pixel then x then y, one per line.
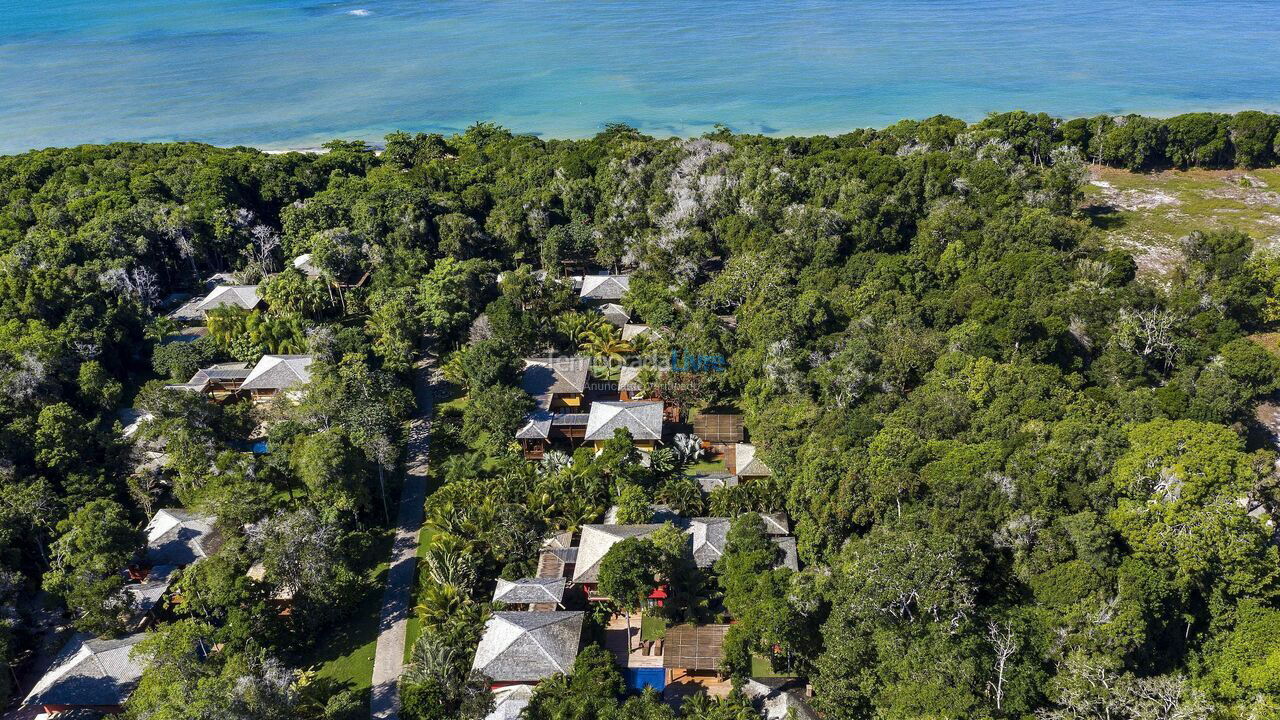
pixel 1025 482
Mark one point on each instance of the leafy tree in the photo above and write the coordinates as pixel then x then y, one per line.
pixel 628 574
pixel 493 414
pixel 590 691
pixel 94 546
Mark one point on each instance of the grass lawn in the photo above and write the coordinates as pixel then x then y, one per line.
pixel 1148 213
pixel 707 466
pixel 760 667
pixel 345 656
pixel 652 627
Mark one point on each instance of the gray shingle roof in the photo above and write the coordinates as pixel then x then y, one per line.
pixel 537 425
pixel 711 481
pixel 776 523
pixel 709 535
pixel 631 331
pixel 790 559
pixel 559 375
pixel 629 375
pixel 303 264
pixel 643 419
pixel 148 593
pixel 528 646
pixel 604 287
pixel 595 543
pixel 747 463
pixel 509 702
pixel 615 314
pixel 222 372
pixel 178 537
pixel 89 671
pixel 244 297
pixel 278 372
pixel 527 591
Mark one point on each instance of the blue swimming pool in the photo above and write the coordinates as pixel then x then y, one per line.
pixel 640 678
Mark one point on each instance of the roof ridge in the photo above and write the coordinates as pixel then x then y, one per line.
pixel 546 652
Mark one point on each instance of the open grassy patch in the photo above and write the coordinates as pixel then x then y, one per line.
pixel 707 466
pixel 1148 213
pixel 652 627
pixel 1268 341
pixel 345 655
pixel 761 667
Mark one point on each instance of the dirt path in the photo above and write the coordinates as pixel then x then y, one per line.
pixel 388 659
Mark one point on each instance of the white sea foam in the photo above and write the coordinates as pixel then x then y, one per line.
pixel 359 12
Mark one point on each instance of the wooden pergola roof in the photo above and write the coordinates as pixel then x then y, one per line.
pixel 694 647
pixel 718 427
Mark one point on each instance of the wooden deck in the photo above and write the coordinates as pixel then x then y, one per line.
pixel 615 641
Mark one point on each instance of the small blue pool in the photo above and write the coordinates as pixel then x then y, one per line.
pixel 260 448
pixel 640 678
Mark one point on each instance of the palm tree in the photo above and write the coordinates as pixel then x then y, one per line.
pixel 574 326
pixel 159 328
pixel 604 342
pixel 454 370
pixel 448 561
pixel 439 605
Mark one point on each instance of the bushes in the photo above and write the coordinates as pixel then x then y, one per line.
pixel 181 360
pixel 1248 139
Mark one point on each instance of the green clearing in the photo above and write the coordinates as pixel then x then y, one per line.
pixel 761 668
pixel 707 466
pixel 1148 213
pixel 345 656
pixel 652 627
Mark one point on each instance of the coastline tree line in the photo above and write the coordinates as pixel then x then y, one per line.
pixel 1025 481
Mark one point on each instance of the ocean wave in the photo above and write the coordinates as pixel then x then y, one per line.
pixel 360 12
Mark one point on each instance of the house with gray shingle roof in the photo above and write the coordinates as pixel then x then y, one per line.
pixel 631 331
pixel 179 537
pixel 615 314
pixel 88 673
pixel 276 374
pixel 526 647
pixel 146 595
pixel 594 545
pixel 303 264
pixel 219 381
pixel 603 288
pixel 509 702
pixel 240 297
pixel 536 593
pixel 558 386
pixel 642 419
pixel 747 462
pixel 710 536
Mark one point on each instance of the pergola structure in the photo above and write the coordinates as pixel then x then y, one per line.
pixel 718 428
pixel 694 648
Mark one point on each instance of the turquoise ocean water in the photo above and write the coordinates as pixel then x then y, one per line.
pixel 291 73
